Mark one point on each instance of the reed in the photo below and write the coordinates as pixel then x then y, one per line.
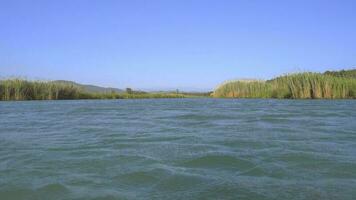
pixel 243 89
pixel 296 86
pixel 17 89
pixel 343 73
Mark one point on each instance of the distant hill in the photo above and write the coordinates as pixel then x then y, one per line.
pixel 90 88
pixel 343 73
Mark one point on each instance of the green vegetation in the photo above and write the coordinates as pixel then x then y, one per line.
pixel 328 85
pixel 295 86
pixel 17 89
pixel 343 73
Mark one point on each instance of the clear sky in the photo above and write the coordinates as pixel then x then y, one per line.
pixel 182 44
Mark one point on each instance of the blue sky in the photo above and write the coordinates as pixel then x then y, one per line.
pixel 154 44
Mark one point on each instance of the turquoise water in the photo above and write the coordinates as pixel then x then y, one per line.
pixel 178 149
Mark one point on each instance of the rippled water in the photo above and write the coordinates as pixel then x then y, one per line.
pixel 178 149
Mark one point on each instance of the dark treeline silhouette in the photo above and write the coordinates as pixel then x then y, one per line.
pixel 343 73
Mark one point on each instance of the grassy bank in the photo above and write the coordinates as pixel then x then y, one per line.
pixel 294 86
pixel 16 89
pixel 328 85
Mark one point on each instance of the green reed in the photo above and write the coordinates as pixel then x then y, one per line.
pixel 297 86
pixel 16 89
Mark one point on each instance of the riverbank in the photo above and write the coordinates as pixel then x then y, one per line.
pixel 329 85
pixel 19 90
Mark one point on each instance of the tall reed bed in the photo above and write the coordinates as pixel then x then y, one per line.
pixel 296 86
pixel 243 89
pixel 16 89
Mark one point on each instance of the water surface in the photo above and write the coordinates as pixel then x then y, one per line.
pixel 178 149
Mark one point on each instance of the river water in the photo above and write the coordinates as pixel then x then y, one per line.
pixel 178 149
